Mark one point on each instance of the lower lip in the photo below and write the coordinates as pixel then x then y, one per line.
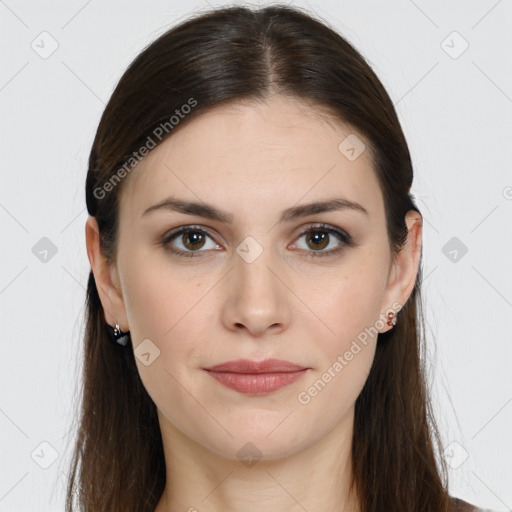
pixel 256 384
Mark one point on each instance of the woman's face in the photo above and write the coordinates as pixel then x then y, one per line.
pixel 248 286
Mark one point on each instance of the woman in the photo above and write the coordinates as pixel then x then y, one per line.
pixel 253 337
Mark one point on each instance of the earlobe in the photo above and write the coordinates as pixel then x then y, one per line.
pixel 104 276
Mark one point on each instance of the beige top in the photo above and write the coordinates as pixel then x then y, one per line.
pixel 460 505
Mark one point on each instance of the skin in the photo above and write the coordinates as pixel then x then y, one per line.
pixel 254 161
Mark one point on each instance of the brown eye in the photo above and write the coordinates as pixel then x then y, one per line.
pixel 188 242
pixel 317 238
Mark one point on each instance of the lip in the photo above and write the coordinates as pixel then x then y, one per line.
pixel 256 377
pixel 249 366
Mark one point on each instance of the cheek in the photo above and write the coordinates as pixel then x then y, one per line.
pixel 160 298
pixel 344 358
pixel 349 309
pixel 167 307
pixel 328 398
pixel 348 302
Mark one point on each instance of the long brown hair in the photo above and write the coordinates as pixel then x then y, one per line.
pixel 228 55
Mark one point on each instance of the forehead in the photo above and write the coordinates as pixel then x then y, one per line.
pixel 279 150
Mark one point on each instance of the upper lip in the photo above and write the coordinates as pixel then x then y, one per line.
pixel 249 366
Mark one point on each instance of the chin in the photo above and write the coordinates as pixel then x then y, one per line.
pixel 254 445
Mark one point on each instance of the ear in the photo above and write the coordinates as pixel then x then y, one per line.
pixel 404 270
pixel 106 277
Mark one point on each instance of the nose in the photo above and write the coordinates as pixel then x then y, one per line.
pixel 256 297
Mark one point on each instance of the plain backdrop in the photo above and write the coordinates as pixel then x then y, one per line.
pixel 447 67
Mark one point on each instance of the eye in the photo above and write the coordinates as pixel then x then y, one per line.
pixel 191 239
pixel 319 237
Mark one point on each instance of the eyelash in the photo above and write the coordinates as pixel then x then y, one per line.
pixel 345 239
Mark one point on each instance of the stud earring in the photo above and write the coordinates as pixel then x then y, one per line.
pixel 391 319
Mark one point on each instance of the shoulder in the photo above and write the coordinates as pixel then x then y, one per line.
pixel 459 505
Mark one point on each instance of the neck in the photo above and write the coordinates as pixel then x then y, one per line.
pixel 316 478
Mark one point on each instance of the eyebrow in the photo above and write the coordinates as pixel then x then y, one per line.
pixel 212 212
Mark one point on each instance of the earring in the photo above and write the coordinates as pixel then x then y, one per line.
pixel 117 336
pixel 391 319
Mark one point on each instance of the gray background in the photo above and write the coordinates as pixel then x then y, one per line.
pixel 455 105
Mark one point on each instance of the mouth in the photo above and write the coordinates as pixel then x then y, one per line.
pixel 256 377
